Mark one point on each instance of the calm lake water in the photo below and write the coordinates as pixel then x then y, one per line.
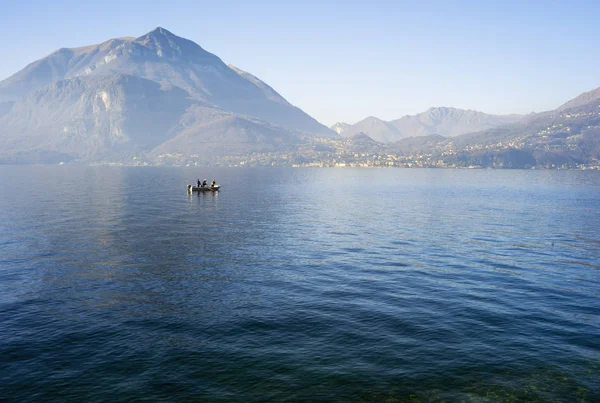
pixel 310 285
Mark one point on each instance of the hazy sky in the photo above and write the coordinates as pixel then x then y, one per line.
pixel 345 60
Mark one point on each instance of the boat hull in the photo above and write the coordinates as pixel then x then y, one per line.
pixel 203 188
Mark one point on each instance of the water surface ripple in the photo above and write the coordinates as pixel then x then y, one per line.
pixel 299 285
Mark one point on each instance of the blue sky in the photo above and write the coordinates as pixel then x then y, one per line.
pixel 346 60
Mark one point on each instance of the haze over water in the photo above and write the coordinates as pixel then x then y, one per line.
pixel 299 285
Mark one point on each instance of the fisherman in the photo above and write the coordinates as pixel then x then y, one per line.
pixel 198 182
pixel 204 183
pixel 213 183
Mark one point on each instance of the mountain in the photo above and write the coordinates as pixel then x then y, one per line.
pixel 128 95
pixel 224 135
pixel 166 58
pixel 418 143
pixel 581 100
pixel 448 122
pixel 63 63
pixel 93 117
pixel 563 137
pixel 120 116
pixel 377 129
pixel 340 127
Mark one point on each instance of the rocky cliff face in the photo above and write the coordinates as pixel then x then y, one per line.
pixel 93 117
pixel 340 127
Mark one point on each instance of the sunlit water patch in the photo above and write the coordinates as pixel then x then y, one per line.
pixel 299 285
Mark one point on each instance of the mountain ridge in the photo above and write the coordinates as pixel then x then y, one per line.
pixel 445 121
pixel 165 57
pixel 127 96
pixel 581 99
pixel 159 95
pixel 561 137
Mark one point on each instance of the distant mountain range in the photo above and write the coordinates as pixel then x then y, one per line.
pixel 444 121
pixel 567 136
pixel 161 97
pixel 149 94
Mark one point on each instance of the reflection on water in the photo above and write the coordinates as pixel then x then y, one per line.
pixel 315 284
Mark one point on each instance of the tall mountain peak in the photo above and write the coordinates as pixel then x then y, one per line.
pixel 168 46
pixel 137 93
pixel 160 34
pixel 161 31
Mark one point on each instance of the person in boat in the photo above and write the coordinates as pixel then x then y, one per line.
pixel 204 183
pixel 198 182
pixel 213 183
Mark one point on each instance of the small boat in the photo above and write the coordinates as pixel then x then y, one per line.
pixel 207 188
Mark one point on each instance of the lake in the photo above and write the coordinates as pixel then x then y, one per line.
pixel 350 285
